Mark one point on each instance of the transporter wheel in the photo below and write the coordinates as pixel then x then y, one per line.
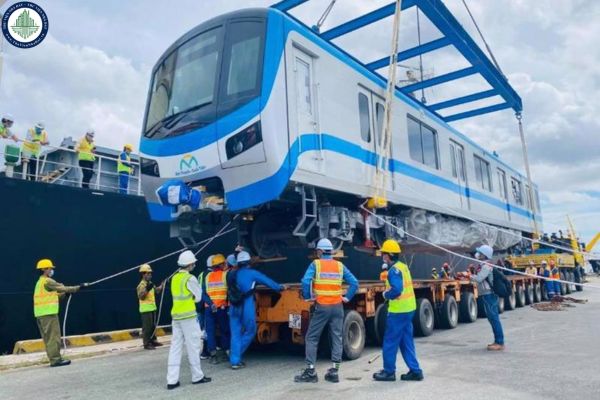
pixel 520 296
pixel 354 335
pixel 563 286
pixel 379 322
pixel 424 317
pixel 510 302
pixel 528 294
pixel 480 308
pixel 467 308
pixel 568 285
pixel 501 304
pixel 544 292
pixel 573 279
pixel 449 313
pixel 579 279
pixel 537 292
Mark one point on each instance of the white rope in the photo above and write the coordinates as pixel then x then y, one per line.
pixel 471 258
pixel 64 337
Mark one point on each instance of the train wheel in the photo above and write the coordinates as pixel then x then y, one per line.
pixel 520 296
pixel 510 302
pixel 501 305
pixel 354 335
pixel 379 322
pixel 529 294
pixel 424 317
pixel 449 313
pixel 563 286
pixel 480 308
pixel 467 308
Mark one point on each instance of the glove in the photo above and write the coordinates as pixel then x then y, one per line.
pixel 213 308
pixel 149 286
pixel 84 285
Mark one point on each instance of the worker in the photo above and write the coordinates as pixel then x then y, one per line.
pixel 446 271
pixel 124 168
pixel 186 293
pixel 45 309
pixel 231 262
pixel 322 283
pixel 146 297
pixel 402 304
pixel 216 307
pixel 35 139
pixel 205 355
pixel 5 125
pixel 556 276
pixel 531 269
pixel 85 153
pixel 485 279
pixel 434 274
pixel 242 316
pixel 548 282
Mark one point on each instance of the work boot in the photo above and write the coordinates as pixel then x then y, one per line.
pixel 149 346
pixel 332 375
pixel 213 359
pixel 238 366
pixel 205 379
pixel 495 347
pixel 156 343
pixel 172 386
pixel 309 375
pixel 412 376
pixel 384 376
pixel 61 363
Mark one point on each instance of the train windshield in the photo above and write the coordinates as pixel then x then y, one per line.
pixel 209 75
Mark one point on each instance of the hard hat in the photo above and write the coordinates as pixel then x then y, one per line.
pixel 8 117
pixel 40 125
pixel 391 246
pixel 486 250
pixel 186 258
pixel 128 147
pixel 209 261
pixel 231 260
pixel 433 269
pixel 243 256
pixel 218 259
pixel 325 245
pixel 45 264
pixel 145 268
pixel 90 132
pixel 544 262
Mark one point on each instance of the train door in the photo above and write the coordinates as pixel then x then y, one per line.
pixel 459 173
pixel 503 190
pixel 306 105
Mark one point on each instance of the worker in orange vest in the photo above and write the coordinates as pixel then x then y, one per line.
pixel 556 276
pixel 216 307
pixel 322 283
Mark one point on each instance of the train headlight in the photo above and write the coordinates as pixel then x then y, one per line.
pixel 244 140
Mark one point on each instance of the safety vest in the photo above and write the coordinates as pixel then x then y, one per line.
pixel 121 167
pixel 184 306
pixel 406 302
pixel 216 287
pixel 45 302
pixel 85 150
pixel 148 304
pixel 555 273
pixel 4 131
pixel 327 284
pixel 32 147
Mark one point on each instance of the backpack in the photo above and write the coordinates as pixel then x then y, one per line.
pixel 500 285
pixel 235 296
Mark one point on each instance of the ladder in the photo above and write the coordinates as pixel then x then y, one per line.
pixel 309 211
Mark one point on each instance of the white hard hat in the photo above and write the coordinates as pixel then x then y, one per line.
pixel 186 258
pixel 209 261
pixel 486 250
pixel 40 125
pixel 90 132
pixel 8 117
pixel 325 245
pixel 544 262
pixel 243 256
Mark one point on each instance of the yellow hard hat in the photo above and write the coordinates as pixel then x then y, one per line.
pixel 391 246
pixel 145 268
pixel 45 264
pixel 217 259
pixel 128 147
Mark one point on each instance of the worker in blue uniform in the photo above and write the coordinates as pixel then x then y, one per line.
pixel 402 304
pixel 242 317
pixel 548 283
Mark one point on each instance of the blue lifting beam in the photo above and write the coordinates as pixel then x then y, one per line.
pixel 412 52
pixel 479 111
pixel 462 100
pixel 438 80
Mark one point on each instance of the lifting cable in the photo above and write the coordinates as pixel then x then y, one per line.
pixel 471 258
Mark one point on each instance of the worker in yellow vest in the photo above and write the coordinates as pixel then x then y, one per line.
pixel 186 293
pixel 216 307
pixel 146 296
pixel 399 327
pixel 5 124
pixel 36 138
pixel 124 168
pixel 45 309
pixel 322 283
pixel 85 154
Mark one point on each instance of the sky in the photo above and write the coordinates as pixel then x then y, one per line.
pixel 93 71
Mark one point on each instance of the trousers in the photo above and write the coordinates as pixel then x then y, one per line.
pixel 399 334
pixel 242 322
pixel 332 315
pixel 87 170
pixel 123 182
pixel 490 304
pixel 148 327
pixel 185 332
pixel 212 320
pixel 49 327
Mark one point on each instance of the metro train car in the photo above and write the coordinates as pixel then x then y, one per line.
pixel 265 119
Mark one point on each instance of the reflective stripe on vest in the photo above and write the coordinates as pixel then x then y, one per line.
pixel 122 167
pixel 216 287
pixel 34 147
pixel 184 306
pixel 327 284
pixel 406 302
pixel 148 304
pixel 45 302
pixel 555 275
pixel 85 150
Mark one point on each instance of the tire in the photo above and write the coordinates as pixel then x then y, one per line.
pixel 467 308
pixel 501 305
pixel 379 322
pixel 449 313
pixel 563 287
pixel 480 309
pixel 529 294
pixel 520 296
pixel 423 320
pixel 578 279
pixel 573 279
pixel 544 292
pixel 568 285
pixel 510 302
pixel 537 292
pixel 354 335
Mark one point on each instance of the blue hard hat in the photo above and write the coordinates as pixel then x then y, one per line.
pixel 231 260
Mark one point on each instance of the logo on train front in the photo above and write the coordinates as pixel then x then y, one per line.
pixel 189 165
pixel 24 24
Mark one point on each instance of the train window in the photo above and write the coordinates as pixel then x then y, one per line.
pixel 365 119
pixel 453 159
pixel 303 86
pixel 482 173
pixel 422 143
pixel 379 114
pixel 517 191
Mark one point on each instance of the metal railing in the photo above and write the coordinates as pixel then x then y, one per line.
pixel 43 162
